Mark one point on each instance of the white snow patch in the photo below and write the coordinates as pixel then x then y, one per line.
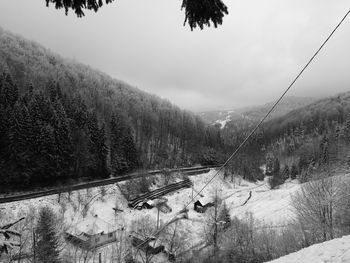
pixel 333 251
pixel 224 122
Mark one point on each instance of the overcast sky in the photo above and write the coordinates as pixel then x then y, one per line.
pixel 249 60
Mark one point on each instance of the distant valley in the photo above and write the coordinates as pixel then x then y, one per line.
pixel 255 113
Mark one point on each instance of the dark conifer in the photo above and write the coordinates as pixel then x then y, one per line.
pixel 294 171
pixel 286 173
pixel 347 130
pixel 119 163
pixel 8 91
pixel 63 141
pixel 47 159
pixel 224 216
pixel 21 138
pixel 47 243
pixel 97 147
pixel 276 178
pixel 324 151
pixel 129 149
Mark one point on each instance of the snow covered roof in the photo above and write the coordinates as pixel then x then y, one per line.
pixel 92 226
pixel 205 199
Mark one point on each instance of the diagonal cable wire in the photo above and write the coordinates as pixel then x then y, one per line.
pixel 255 128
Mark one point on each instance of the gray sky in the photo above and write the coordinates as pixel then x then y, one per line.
pixel 250 59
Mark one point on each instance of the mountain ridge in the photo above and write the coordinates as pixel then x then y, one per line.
pixel 257 112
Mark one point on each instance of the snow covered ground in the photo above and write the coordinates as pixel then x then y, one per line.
pixel 224 121
pixel 333 251
pixel 269 206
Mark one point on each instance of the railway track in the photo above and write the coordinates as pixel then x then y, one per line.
pixel 160 192
pixel 186 171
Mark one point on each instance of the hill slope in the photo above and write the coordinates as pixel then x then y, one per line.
pixel 62 119
pixel 334 251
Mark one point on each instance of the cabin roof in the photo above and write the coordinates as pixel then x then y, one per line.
pixel 91 226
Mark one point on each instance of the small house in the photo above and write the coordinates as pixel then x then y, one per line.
pixel 92 233
pixel 198 207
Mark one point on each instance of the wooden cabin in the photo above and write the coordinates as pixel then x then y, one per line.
pixel 92 233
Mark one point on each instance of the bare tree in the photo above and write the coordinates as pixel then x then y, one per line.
pixel 212 226
pixel 176 239
pixel 318 204
pixel 143 228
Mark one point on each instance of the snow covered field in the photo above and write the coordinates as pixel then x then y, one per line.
pixel 268 206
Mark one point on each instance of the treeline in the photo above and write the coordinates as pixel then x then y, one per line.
pixel 63 120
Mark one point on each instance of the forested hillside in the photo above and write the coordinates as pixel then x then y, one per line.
pixel 61 120
pixel 256 113
pixel 317 135
pixel 295 144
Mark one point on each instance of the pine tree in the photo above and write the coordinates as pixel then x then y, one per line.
pixel 102 153
pixel 47 244
pixel 269 164
pixel 93 141
pixel 276 167
pixel 21 136
pixel 324 151
pixel 119 163
pixel 55 92
pixel 76 112
pixel 97 147
pixel 276 178
pixel 129 150
pixel 63 141
pixel 46 159
pixel 224 216
pixel 347 130
pixel 294 171
pixel 8 99
pixel 285 174
pixel 8 91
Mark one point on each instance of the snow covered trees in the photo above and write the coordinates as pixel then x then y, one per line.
pixel 276 178
pixel 321 206
pixel 97 147
pixel 47 138
pixel 123 151
pixel 224 216
pixel 47 243
pixel 159 133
